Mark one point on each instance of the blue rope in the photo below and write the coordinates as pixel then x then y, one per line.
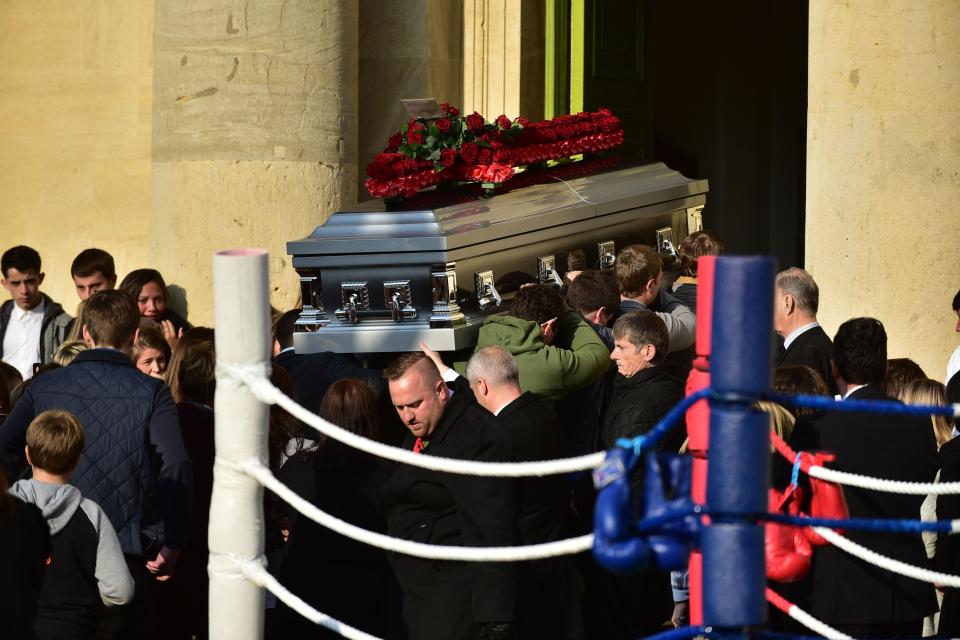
pixel 667 422
pixel 795 474
pixel 683 633
pixel 863 524
pixel 632 443
pixel 861 406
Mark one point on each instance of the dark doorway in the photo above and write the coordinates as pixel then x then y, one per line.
pixel 716 90
pixel 730 103
pixel 616 69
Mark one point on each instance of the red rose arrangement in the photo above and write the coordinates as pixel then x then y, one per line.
pixel 468 148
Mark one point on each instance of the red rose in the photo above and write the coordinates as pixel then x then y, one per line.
pixel 448 157
pixel 416 133
pixel 497 173
pixel 469 152
pixel 503 121
pixel 379 171
pixel 475 122
pixel 449 109
pixel 382 166
pixel 443 124
pixel 484 156
pixel 501 155
pixel 395 141
pixel 523 122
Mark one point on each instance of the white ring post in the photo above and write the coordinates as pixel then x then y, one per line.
pixel 242 322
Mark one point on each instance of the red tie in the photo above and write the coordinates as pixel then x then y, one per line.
pixel 418 445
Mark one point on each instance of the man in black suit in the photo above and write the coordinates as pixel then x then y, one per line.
pixel 450 600
pixel 313 373
pixel 796 299
pixel 856 597
pixel 548 607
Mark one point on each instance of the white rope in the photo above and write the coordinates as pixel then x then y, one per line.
pixel 817 626
pixel 256 469
pixel 264 390
pixel 881 484
pixel 896 566
pixel 260 576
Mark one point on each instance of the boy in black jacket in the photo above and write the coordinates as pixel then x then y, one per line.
pixel 86 569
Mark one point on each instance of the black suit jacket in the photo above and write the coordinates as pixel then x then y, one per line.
pixel 847 590
pixel 549 606
pixel 813 349
pixel 947 559
pixel 535 433
pixel 450 599
pixel 314 373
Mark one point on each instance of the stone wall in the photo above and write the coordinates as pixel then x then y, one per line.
pixel 411 49
pixel 883 169
pixel 254 134
pixel 75 126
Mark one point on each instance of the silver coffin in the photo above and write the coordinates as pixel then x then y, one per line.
pixel 376 279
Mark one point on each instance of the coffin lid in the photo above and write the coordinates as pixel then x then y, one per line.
pixel 446 220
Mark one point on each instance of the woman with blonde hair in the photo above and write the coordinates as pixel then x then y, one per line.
pixel 930 392
pixel 67 351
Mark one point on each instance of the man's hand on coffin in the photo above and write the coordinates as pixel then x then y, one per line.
pixel 433 355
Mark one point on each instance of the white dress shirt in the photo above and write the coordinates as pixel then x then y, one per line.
pixel 796 333
pixel 851 389
pixel 953 365
pixel 21 342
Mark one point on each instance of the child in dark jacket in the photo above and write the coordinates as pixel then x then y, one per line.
pixel 86 569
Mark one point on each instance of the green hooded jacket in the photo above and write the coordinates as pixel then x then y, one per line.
pixel 576 359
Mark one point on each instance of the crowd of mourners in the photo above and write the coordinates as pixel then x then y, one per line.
pixel 107 453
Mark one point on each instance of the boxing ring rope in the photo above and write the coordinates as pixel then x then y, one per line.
pixel 258 470
pixel 804 618
pixel 257 574
pixel 854 479
pixel 236 567
pixel 260 386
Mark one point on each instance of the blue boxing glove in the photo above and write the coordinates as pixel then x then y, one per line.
pixel 616 544
pixel 666 491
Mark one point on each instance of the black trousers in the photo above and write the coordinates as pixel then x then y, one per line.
pixel 135 620
pixel 909 629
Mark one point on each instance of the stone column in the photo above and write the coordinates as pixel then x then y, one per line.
pixel 410 49
pixel 75 124
pixel 883 169
pixel 503 57
pixel 254 133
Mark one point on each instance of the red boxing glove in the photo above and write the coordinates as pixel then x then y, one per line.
pixel 826 499
pixel 787 550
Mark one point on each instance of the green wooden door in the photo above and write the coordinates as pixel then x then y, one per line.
pixel 615 68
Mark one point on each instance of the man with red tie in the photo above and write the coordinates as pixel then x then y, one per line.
pixel 450 600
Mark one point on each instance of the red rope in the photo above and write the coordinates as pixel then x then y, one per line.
pixel 778 601
pixel 787 452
